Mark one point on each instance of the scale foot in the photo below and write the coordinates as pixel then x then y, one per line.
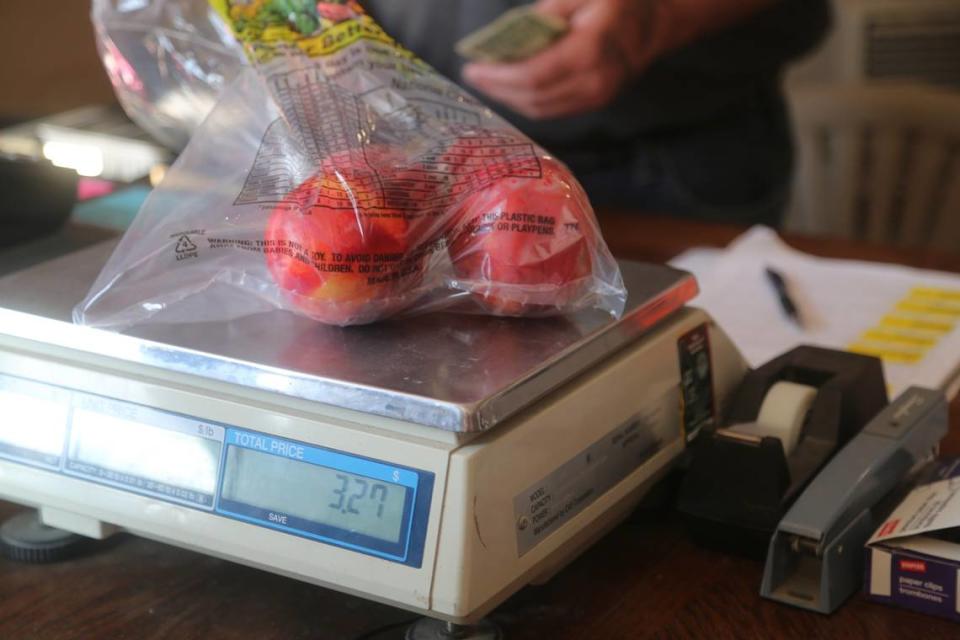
pixel 431 629
pixel 23 538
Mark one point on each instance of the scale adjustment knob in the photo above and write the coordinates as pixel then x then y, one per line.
pixel 23 538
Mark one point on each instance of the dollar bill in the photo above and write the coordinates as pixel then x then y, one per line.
pixel 515 35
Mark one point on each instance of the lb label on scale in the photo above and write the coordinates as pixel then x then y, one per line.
pixel 548 504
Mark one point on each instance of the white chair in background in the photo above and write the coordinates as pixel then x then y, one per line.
pixel 877 162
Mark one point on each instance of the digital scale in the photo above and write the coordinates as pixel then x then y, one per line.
pixel 437 463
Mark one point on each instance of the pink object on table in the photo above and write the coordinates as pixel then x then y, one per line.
pixel 89 188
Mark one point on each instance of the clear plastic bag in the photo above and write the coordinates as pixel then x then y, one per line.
pixel 168 60
pixel 342 178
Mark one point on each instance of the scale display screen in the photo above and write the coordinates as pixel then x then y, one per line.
pixel 33 422
pixel 314 493
pixel 342 499
pixel 158 453
pixel 334 497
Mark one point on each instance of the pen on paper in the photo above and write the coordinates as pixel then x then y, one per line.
pixel 787 301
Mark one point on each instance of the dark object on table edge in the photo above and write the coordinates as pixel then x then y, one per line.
pixel 36 198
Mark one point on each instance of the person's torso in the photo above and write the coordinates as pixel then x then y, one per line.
pixel 719 77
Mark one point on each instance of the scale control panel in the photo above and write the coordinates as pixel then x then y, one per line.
pixel 369 506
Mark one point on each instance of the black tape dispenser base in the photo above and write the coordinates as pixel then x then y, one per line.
pixel 783 424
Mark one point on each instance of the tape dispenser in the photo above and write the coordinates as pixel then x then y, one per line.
pixel 784 422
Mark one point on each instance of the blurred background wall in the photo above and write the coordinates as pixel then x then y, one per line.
pixel 48 60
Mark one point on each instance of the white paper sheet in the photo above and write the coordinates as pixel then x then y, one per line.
pixel 839 300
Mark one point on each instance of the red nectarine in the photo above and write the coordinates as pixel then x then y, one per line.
pixel 336 248
pixel 524 246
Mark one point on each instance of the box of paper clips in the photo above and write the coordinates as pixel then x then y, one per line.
pixel 913 558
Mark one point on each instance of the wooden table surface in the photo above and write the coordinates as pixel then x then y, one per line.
pixel 644 580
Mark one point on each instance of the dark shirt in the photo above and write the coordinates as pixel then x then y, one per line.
pixel 713 107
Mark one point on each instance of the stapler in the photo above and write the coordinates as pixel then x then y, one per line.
pixel 786 420
pixel 815 559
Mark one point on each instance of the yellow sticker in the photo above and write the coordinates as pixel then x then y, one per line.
pixel 913 322
pixel 933 292
pixel 898 356
pixel 898 337
pixel 932 307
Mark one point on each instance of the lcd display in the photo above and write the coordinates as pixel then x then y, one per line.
pixel 32 423
pixel 327 496
pixel 168 462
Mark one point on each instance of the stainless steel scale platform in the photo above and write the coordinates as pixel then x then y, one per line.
pixel 437 463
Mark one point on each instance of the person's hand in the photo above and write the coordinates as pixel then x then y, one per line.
pixel 609 44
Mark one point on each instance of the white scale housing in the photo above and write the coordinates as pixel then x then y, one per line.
pixel 437 464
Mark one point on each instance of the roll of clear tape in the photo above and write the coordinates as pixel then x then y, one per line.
pixel 782 414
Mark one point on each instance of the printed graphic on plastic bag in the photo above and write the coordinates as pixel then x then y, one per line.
pixel 341 178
